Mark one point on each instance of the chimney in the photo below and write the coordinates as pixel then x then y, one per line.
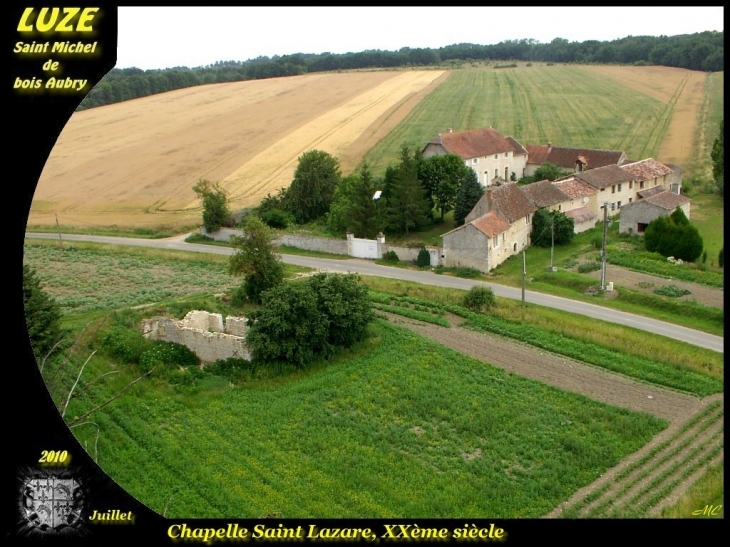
pixel 488 193
pixel 550 145
pixel 451 130
pixel 441 141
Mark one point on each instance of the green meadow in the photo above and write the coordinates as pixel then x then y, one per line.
pixel 566 105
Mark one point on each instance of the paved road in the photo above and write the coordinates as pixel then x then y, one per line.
pixel 366 267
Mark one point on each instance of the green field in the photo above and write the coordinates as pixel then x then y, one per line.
pixel 566 105
pixel 403 428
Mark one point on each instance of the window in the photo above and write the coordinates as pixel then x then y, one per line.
pixel 528 218
pixel 631 200
pixel 613 207
pixel 506 173
pixel 613 189
pixel 655 180
pixel 496 156
pixel 475 160
pixel 619 186
pixel 560 207
pixel 631 185
pixel 495 242
pixel 619 205
pixel 641 185
pixel 506 154
pixel 496 173
pixel 515 247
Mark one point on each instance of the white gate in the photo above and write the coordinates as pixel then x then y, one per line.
pixel 364 248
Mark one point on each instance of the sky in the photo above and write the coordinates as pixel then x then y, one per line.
pixel 164 37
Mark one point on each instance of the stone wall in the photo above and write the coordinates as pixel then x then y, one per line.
pixel 203 333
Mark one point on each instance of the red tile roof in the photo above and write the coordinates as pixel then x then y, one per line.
pixel 574 187
pixel 581 214
pixel 653 191
pixel 566 157
pixel 667 200
pixel 511 202
pixel 646 169
pixel 603 177
pixel 544 193
pixel 478 143
pixel 491 224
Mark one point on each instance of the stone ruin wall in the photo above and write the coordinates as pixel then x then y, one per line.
pixel 203 333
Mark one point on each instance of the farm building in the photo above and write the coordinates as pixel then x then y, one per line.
pixel 656 202
pixel 498 227
pixel 494 157
pixel 576 160
pixel 583 207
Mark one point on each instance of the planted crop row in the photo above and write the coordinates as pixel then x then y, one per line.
pixel 654 263
pixel 343 440
pixel 414 314
pixel 638 487
pixel 640 368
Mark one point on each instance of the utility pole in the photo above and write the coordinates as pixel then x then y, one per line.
pixel 552 240
pixel 603 250
pixel 59 231
pixel 524 273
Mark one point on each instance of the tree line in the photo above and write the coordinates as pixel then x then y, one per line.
pixel 700 51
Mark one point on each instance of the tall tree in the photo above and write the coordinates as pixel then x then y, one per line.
pixel 311 192
pixel 42 315
pixel 441 176
pixel 407 207
pixel 256 259
pixel 354 209
pixel 470 191
pixel 216 212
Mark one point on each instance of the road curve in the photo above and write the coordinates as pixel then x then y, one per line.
pixel 365 267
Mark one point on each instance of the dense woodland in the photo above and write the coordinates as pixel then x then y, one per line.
pixel 700 51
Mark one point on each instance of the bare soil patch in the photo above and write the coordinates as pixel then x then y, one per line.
pixel 639 281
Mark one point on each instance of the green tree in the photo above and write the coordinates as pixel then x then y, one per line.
pixel 548 171
pixel 441 176
pixel 718 160
pixel 42 315
pixel 311 192
pixel 353 207
pixel 216 212
pixel 301 321
pixel 551 226
pixel 407 207
pixel 469 193
pixel 674 236
pixel 256 259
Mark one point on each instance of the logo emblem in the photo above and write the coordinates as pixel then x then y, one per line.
pixel 51 503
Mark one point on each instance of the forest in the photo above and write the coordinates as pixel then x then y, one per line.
pixel 701 51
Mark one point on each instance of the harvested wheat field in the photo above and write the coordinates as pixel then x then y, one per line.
pixel 133 164
pixel 682 91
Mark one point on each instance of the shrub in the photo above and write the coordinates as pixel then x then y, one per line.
pixel 671 291
pixel 231 368
pixel 479 299
pixel 591 266
pixel 167 353
pixel 298 322
pixel 216 212
pixel 424 258
pixel 390 256
pixel 674 236
pixel 276 218
pixel 124 344
pixel 468 273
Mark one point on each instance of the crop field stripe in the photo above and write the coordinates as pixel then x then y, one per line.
pixel 654 475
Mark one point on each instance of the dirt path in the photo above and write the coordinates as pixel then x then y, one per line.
pixel 693 438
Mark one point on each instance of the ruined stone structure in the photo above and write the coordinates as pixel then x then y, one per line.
pixel 203 333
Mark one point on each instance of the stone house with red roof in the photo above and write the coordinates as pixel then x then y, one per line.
pixel 495 158
pixel 574 160
pixel 498 227
pixel 653 203
pixel 568 196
